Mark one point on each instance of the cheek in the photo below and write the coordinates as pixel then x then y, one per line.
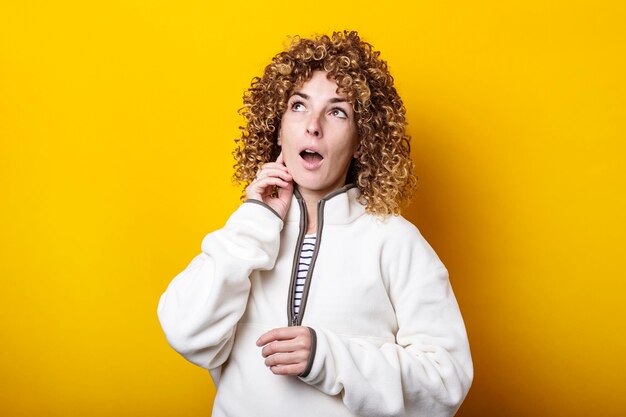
pixel 279 138
pixel 344 158
pixel 287 161
pixel 353 145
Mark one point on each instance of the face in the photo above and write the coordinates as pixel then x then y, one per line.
pixel 318 136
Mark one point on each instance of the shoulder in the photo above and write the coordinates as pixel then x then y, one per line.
pixel 394 228
pixel 402 242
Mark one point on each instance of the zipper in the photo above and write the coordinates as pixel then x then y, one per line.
pixel 309 274
pixel 295 319
pixel 291 314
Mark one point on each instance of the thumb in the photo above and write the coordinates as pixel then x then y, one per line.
pixel 285 193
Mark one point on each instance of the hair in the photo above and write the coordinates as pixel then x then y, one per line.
pixel 382 169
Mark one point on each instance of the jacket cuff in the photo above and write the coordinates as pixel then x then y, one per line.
pixel 320 362
pixel 309 364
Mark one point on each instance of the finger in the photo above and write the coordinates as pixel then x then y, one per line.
pixel 274 172
pixel 268 171
pixel 257 190
pixel 277 182
pixel 279 163
pixel 288 369
pixel 285 193
pixel 263 183
pixel 290 358
pixel 280 159
pixel 298 343
pixel 281 333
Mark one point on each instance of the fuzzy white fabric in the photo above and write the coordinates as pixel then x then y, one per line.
pixel 390 337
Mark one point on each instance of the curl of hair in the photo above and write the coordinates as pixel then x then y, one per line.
pixel 383 169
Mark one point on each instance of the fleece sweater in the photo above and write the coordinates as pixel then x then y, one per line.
pixel 389 336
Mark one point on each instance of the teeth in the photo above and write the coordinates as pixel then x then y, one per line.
pixel 309 151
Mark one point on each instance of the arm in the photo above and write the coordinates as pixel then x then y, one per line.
pixel 202 305
pixel 200 309
pixel 428 370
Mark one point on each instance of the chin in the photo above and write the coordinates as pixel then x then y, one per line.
pixel 308 185
pixel 306 179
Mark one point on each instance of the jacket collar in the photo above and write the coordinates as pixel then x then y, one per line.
pixel 339 207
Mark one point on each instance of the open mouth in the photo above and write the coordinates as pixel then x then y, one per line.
pixel 311 156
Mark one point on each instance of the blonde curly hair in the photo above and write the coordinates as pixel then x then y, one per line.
pixel 383 169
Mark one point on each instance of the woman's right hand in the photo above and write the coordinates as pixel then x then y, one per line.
pixel 270 175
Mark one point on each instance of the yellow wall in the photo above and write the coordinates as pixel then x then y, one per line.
pixel 117 121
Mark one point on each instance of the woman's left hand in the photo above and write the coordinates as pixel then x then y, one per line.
pixel 286 350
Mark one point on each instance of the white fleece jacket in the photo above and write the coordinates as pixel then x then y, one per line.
pixel 390 339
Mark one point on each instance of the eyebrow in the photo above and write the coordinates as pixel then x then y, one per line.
pixel 332 100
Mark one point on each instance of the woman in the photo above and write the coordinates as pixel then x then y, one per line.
pixel 317 298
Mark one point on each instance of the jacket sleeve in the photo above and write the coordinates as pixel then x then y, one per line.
pixel 200 309
pixel 428 370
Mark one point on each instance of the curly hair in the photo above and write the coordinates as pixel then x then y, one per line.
pixel 382 169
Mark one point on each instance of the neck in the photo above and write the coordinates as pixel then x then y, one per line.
pixel 311 199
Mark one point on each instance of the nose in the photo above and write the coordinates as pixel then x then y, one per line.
pixel 313 126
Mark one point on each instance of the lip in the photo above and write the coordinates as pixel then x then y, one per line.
pixel 310 165
pixel 313 148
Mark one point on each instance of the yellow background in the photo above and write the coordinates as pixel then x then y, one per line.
pixel 117 120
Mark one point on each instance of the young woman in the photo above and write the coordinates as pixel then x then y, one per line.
pixel 317 298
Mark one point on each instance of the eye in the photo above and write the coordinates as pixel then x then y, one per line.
pixel 337 112
pixel 297 106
